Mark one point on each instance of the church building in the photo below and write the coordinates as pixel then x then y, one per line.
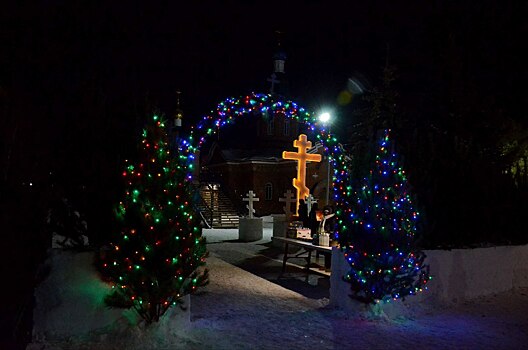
pixel 248 155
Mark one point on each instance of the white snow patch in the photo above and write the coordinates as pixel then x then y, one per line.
pixel 239 310
pixel 70 310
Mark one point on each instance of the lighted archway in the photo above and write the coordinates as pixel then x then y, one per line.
pixel 231 109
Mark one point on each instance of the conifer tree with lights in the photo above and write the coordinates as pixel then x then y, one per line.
pixel 378 231
pixel 158 254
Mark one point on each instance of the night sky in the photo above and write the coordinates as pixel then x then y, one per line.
pixel 67 62
pixel 206 51
pixel 77 80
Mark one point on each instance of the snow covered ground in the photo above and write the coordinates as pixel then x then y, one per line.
pixel 248 307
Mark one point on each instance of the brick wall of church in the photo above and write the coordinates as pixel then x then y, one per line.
pixel 238 178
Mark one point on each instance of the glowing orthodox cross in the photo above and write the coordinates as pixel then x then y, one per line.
pixel 251 198
pixel 302 144
pixel 288 199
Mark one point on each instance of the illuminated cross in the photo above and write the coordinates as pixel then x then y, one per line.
pixel 272 80
pixel 288 198
pixel 310 200
pixel 250 198
pixel 302 144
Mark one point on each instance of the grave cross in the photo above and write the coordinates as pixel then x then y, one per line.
pixel 310 200
pixel 251 198
pixel 302 144
pixel 289 200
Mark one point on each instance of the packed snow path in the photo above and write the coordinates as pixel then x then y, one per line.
pixel 239 310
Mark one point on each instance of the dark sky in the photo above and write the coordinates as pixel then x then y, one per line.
pixel 79 78
pixel 209 51
pixel 76 75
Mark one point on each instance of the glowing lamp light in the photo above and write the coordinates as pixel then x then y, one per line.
pixel 325 117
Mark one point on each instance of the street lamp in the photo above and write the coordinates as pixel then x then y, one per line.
pixel 325 118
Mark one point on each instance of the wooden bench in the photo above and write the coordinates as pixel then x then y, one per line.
pixel 305 253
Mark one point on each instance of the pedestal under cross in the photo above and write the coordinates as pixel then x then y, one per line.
pixel 250 198
pixel 302 144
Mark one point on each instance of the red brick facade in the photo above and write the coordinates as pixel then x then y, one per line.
pixel 264 174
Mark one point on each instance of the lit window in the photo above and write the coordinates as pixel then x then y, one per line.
pixel 268 189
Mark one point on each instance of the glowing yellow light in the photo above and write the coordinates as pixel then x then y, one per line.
pixel 302 144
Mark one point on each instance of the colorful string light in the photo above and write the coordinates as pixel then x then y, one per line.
pixel 398 270
pixel 378 225
pixel 152 263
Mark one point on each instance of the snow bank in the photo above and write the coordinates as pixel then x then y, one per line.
pixel 239 310
pixel 70 308
pixel 458 275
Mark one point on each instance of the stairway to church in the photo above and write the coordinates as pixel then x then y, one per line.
pixel 216 208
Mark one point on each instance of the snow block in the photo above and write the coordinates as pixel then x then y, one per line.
pixel 250 229
pixel 458 275
pixel 280 225
pixel 520 267
pixel 340 295
pixel 69 307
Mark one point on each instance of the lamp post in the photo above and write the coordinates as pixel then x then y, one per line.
pixel 325 119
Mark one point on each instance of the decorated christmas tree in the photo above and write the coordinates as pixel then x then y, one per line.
pixel 156 257
pixel 378 230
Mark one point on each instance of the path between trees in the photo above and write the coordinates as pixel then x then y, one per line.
pixel 239 310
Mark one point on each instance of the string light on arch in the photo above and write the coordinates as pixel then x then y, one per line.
pixel 230 109
pixel 345 197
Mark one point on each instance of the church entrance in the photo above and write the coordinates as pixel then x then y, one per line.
pixel 238 148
